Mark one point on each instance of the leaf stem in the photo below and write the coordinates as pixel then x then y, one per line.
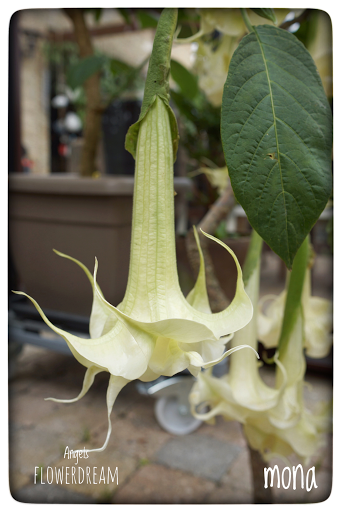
pixel 246 19
pixel 293 300
pixel 252 256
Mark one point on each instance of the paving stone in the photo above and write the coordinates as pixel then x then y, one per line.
pixel 198 454
pixel 28 409
pixel 50 494
pixel 35 447
pixel 157 484
pixel 18 480
pixel 132 439
pixel 236 486
pixel 225 431
pixel 230 495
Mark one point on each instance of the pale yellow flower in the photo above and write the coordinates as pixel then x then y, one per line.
pixel 212 64
pixel 275 420
pixel 289 427
pixel 155 330
pixel 241 394
pixel 318 320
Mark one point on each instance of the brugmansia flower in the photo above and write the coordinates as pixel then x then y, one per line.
pixel 241 394
pixel 212 57
pixel 212 61
pixel 290 427
pixel 275 420
pixel 155 330
pixel 318 322
pixel 217 176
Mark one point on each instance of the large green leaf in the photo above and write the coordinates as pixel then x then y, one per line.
pixel 276 130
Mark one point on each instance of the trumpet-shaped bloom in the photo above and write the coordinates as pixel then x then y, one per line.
pixel 212 65
pixel 155 330
pixel 241 394
pixel 275 420
pixel 290 427
pixel 318 321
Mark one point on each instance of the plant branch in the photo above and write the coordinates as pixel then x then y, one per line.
pixel 93 110
pixel 246 19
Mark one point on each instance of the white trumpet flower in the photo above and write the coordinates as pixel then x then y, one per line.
pixel 241 394
pixel 275 420
pixel 318 320
pixel 155 330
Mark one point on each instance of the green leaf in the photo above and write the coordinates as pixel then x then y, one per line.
pixel 277 137
pixel 118 67
pixel 187 82
pixel 82 70
pixel 146 19
pixel 268 14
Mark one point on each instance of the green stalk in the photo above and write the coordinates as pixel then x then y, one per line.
pixel 252 256
pixel 157 81
pixel 246 19
pixel 294 294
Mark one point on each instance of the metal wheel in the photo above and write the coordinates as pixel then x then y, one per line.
pixel 175 417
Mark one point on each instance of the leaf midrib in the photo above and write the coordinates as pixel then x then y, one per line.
pixel 275 131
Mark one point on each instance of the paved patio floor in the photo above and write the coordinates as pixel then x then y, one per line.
pixel 208 466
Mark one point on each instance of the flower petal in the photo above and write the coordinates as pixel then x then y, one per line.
pixel 117 352
pixel 236 315
pixel 198 297
pixel 180 329
pixel 114 387
pixel 101 318
pixel 89 377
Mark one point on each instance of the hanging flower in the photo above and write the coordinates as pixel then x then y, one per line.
pixel 275 420
pixel 217 176
pixel 212 61
pixel 155 330
pixel 318 316
pixel 290 427
pixel 241 394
